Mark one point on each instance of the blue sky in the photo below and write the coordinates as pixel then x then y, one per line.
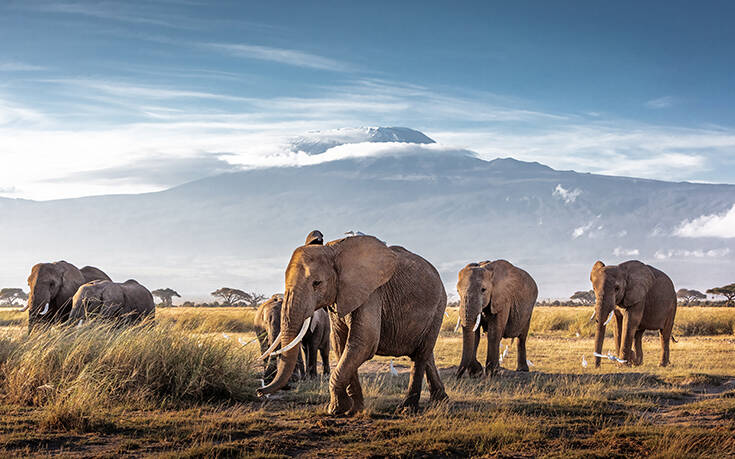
pixel 91 89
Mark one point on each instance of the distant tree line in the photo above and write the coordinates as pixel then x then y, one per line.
pixel 226 297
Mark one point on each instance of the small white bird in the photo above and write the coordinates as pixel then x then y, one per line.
pixel 393 370
pixel 609 356
pixel 584 362
pixel 242 341
pixel 225 335
pixel 529 363
pixel 81 322
pixel 355 233
pixel 504 354
pixel 577 334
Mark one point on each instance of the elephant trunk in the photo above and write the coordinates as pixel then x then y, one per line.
pixel 290 330
pixel 468 348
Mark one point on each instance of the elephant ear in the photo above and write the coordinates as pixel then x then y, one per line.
pixel 505 285
pixel 363 264
pixel 71 279
pixel 638 281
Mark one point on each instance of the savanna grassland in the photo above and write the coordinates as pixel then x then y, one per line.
pixel 185 387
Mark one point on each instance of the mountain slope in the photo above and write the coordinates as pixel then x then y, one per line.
pixel 239 229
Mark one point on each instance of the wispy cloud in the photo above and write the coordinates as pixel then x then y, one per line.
pixel 661 102
pixel 19 67
pixel 568 196
pixel 696 253
pixel 279 55
pixel 621 252
pixel 124 12
pixel 714 225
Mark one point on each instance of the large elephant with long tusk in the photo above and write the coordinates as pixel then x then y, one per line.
pixel 126 302
pixel 499 297
pixel 52 287
pixel 639 297
pixel 382 300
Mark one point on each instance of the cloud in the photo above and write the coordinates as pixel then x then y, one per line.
pixel 566 195
pixel 714 225
pixel 661 102
pixel 160 171
pixel 697 253
pixel 580 230
pixel 19 67
pixel 619 252
pixel 280 55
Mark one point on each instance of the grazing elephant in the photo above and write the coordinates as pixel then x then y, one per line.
pixel 382 300
pixel 52 287
pixel 641 298
pixel 498 297
pixel 267 324
pixel 128 302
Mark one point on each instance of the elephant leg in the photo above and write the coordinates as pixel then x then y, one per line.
pixel 436 387
pixel 324 351
pixel 522 364
pixel 492 361
pixel 631 320
pixel 354 391
pixel 666 341
pixel 414 384
pixel 339 341
pixel 617 331
pixel 475 369
pixel 311 360
pixel 361 345
pixel 638 357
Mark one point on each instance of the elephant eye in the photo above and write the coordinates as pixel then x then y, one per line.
pixel 483 289
pixel 316 283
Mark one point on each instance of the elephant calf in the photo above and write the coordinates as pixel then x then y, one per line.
pixel 267 324
pixel 498 297
pixel 641 298
pixel 128 301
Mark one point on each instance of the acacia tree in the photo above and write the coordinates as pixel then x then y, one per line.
pixel 11 295
pixel 586 298
pixel 166 295
pixel 254 299
pixel 235 297
pixel 728 291
pixel 689 295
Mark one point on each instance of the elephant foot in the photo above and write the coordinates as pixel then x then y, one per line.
pixel 474 369
pixel 410 403
pixel 664 364
pixel 524 368
pixel 357 406
pixel 340 404
pixel 491 371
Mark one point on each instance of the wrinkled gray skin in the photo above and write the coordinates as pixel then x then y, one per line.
pixel 127 302
pixel 505 296
pixel 55 284
pixel 267 325
pixel 316 340
pixel 383 300
pixel 641 298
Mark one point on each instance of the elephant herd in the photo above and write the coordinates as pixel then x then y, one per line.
pixel 61 293
pixel 366 298
pixel 385 300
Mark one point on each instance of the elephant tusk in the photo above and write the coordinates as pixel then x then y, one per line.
pixel 45 310
pixel 477 322
pixel 529 363
pixel 456 327
pixel 273 347
pixel 292 344
pixel 593 316
pixel 609 318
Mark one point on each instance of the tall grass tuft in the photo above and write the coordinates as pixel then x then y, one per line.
pixel 73 372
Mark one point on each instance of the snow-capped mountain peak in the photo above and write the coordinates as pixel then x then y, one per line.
pixel 316 142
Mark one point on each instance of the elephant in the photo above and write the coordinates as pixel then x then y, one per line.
pixel 316 340
pixel 381 300
pixel 641 298
pixel 52 286
pixel 499 298
pixel 128 302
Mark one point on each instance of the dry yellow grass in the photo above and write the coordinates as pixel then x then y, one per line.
pixel 559 409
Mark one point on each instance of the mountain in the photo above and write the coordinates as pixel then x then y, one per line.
pixel 239 229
